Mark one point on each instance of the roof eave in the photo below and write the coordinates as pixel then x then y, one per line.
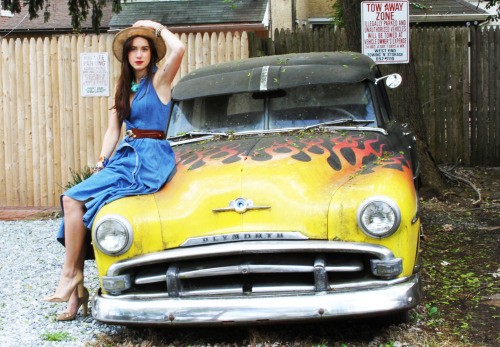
pixel 434 18
pixel 211 28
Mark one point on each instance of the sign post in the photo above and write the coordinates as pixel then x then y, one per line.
pixel 94 74
pixel 385 31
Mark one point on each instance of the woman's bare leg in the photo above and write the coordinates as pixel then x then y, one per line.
pixel 74 234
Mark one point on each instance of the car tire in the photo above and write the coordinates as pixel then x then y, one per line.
pixel 399 317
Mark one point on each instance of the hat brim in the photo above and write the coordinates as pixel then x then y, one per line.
pixel 124 34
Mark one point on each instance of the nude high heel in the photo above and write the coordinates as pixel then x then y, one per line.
pixel 77 283
pixel 82 301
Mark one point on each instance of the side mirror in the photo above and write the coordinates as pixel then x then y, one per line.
pixel 391 81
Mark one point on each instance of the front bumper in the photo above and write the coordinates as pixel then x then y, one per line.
pixel 257 309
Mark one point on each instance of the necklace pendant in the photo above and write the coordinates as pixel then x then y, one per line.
pixel 134 87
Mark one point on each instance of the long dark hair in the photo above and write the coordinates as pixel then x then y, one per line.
pixel 122 95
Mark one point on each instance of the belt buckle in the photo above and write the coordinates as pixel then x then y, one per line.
pixel 130 134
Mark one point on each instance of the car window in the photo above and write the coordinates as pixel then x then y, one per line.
pixel 309 105
pixel 287 108
pixel 236 112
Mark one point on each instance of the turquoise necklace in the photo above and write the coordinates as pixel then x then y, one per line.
pixel 134 87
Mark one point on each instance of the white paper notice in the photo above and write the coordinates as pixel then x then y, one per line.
pixel 385 31
pixel 94 74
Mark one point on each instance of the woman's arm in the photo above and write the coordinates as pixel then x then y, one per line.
pixel 112 135
pixel 166 73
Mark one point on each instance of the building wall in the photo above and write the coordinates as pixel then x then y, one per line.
pixel 282 12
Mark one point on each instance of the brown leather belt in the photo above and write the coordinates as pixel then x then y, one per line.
pixel 146 134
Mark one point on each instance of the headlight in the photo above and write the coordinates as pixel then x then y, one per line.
pixel 379 216
pixel 113 234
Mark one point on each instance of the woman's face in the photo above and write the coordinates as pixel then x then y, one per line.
pixel 139 55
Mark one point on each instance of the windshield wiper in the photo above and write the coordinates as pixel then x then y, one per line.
pixel 195 134
pixel 341 122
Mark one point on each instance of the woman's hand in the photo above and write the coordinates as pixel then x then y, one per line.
pixel 149 24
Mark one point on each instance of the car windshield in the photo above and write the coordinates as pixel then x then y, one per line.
pixel 296 107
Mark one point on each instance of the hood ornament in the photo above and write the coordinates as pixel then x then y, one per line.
pixel 240 205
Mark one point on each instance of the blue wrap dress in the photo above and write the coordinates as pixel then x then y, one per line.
pixel 139 166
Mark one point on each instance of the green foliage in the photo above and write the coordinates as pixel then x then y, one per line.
pixel 231 2
pixel 77 177
pixel 336 14
pixel 57 336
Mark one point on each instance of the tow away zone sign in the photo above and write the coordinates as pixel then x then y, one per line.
pixel 385 31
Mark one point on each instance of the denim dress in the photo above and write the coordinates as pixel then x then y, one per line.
pixel 139 166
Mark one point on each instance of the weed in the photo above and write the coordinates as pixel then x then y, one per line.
pixel 57 336
pixel 77 177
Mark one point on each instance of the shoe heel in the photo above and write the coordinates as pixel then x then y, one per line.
pixel 81 292
pixel 85 307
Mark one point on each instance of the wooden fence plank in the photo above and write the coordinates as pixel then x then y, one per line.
pixel 3 184
pixel 482 134
pixel 244 46
pixel 71 159
pixel 28 129
pixel 451 81
pixel 206 49
pixel 221 45
pixel 491 97
pixel 475 93
pixel 19 130
pixel 42 122
pixel 236 46
pixel 49 122
pixel 198 51
pixel 213 48
pixel 56 119
pixel 83 105
pixel 497 97
pixel 6 137
pixel 229 47
pixel 466 98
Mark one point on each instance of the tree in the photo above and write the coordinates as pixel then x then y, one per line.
pixel 349 11
pixel 77 9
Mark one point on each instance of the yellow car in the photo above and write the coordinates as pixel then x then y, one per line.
pixel 293 198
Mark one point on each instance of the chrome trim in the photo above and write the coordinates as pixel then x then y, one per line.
pixel 240 205
pixel 277 131
pixel 263 78
pixel 126 224
pixel 237 290
pixel 147 277
pixel 245 236
pixel 245 309
pixel 253 247
pixel 381 198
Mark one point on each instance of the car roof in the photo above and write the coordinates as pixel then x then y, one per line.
pixel 275 72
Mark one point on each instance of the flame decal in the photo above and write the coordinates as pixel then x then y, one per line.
pixel 339 152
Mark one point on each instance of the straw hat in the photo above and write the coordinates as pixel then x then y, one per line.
pixel 124 34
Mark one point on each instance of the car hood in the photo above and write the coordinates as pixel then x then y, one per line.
pixel 289 178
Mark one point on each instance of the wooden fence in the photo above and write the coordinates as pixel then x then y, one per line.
pixel 47 128
pixel 459 86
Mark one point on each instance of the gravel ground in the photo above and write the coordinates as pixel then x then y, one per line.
pixel 30 265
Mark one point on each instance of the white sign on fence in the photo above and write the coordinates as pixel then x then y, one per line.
pixel 94 74
pixel 385 31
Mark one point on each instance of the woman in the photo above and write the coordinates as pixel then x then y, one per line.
pixel 143 160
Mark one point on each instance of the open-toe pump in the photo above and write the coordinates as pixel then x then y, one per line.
pixel 77 283
pixel 82 301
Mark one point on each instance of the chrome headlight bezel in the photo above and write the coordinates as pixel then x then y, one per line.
pixel 126 231
pixel 386 203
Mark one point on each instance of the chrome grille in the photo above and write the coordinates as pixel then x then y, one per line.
pixel 251 268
